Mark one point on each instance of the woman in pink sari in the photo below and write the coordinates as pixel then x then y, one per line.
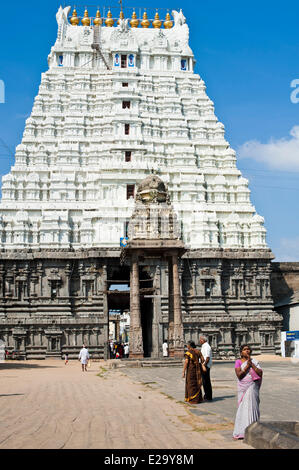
pixel 249 375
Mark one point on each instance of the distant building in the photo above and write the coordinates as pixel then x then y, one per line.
pixel 285 290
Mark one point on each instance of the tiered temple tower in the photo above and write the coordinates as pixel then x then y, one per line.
pixel 120 101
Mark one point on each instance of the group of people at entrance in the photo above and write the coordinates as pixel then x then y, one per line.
pixel 119 350
pixel 197 367
pixel 249 373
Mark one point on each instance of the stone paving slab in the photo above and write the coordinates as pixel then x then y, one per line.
pixel 279 391
pixel 49 405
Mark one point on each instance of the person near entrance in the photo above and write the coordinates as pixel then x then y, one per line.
pixel 206 351
pixel 66 358
pixel 83 358
pixel 126 350
pixel 165 348
pixel 193 374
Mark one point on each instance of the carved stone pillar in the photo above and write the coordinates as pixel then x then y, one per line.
pixel 156 337
pixel 136 340
pixel 68 272
pixel 170 310
pixel 105 294
pixel 194 272
pixel 178 331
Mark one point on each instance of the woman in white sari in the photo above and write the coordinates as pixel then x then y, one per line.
pixel 249 375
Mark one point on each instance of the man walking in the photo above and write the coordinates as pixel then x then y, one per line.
pixel 83 357
pixel 206 351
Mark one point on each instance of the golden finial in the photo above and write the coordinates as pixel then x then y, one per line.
pixel 109 21
pixel 134 21
pixel 157 22
pixel 98 20
pixel 85 20
pixel 168 23
pixel 121 16
pixel 74 19
pixel 145 22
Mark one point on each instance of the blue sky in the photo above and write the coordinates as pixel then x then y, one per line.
pixel 247 53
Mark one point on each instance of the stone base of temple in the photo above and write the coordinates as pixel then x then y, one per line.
pixel 177 353
pixel 53 302
pixel 136 356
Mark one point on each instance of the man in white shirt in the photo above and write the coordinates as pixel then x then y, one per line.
pixel 206 351
pixel 83 357
pixel 165 348
pixel 126 350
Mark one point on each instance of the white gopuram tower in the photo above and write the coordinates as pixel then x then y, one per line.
pixel 119 102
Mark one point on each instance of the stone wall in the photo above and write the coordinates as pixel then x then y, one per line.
pixel 285 292
pixel 53 301
pixel 284 280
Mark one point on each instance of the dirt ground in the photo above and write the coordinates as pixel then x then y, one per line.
pixel 50 405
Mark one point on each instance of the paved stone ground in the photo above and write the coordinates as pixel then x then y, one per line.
pixel 279 391
pixel 49 405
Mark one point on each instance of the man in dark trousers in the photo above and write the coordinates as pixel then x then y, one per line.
pixel 206 351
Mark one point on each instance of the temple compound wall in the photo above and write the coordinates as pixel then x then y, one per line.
pixel 53 301
pixel 285 291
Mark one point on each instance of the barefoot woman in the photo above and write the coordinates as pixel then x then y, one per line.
pixel 249 375
pixel 192 372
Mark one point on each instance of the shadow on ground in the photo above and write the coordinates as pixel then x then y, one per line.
pixel 23 365
pixel 11 394
pixel 222 398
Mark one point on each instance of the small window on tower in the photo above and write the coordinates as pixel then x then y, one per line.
pixel 125 84
pixel 126 104
pixel 130 190
pixel 131 60
pixel 116 60
pixel 60 60
pixel 123 61
pixel 128 156
pixel 127 129
pixel 184 64
pixel 54 290
pixel 207 289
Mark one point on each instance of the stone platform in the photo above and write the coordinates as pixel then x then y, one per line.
pixel 146 362
pixel 273 435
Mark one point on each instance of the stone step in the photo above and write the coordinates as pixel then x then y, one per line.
pixel 53 355
pixel 146 362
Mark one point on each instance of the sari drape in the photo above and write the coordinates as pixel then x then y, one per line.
pixel 248 400
pixel 193 393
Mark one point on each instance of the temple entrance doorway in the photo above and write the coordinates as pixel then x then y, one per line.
pixel 146 307
pixel 118 293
